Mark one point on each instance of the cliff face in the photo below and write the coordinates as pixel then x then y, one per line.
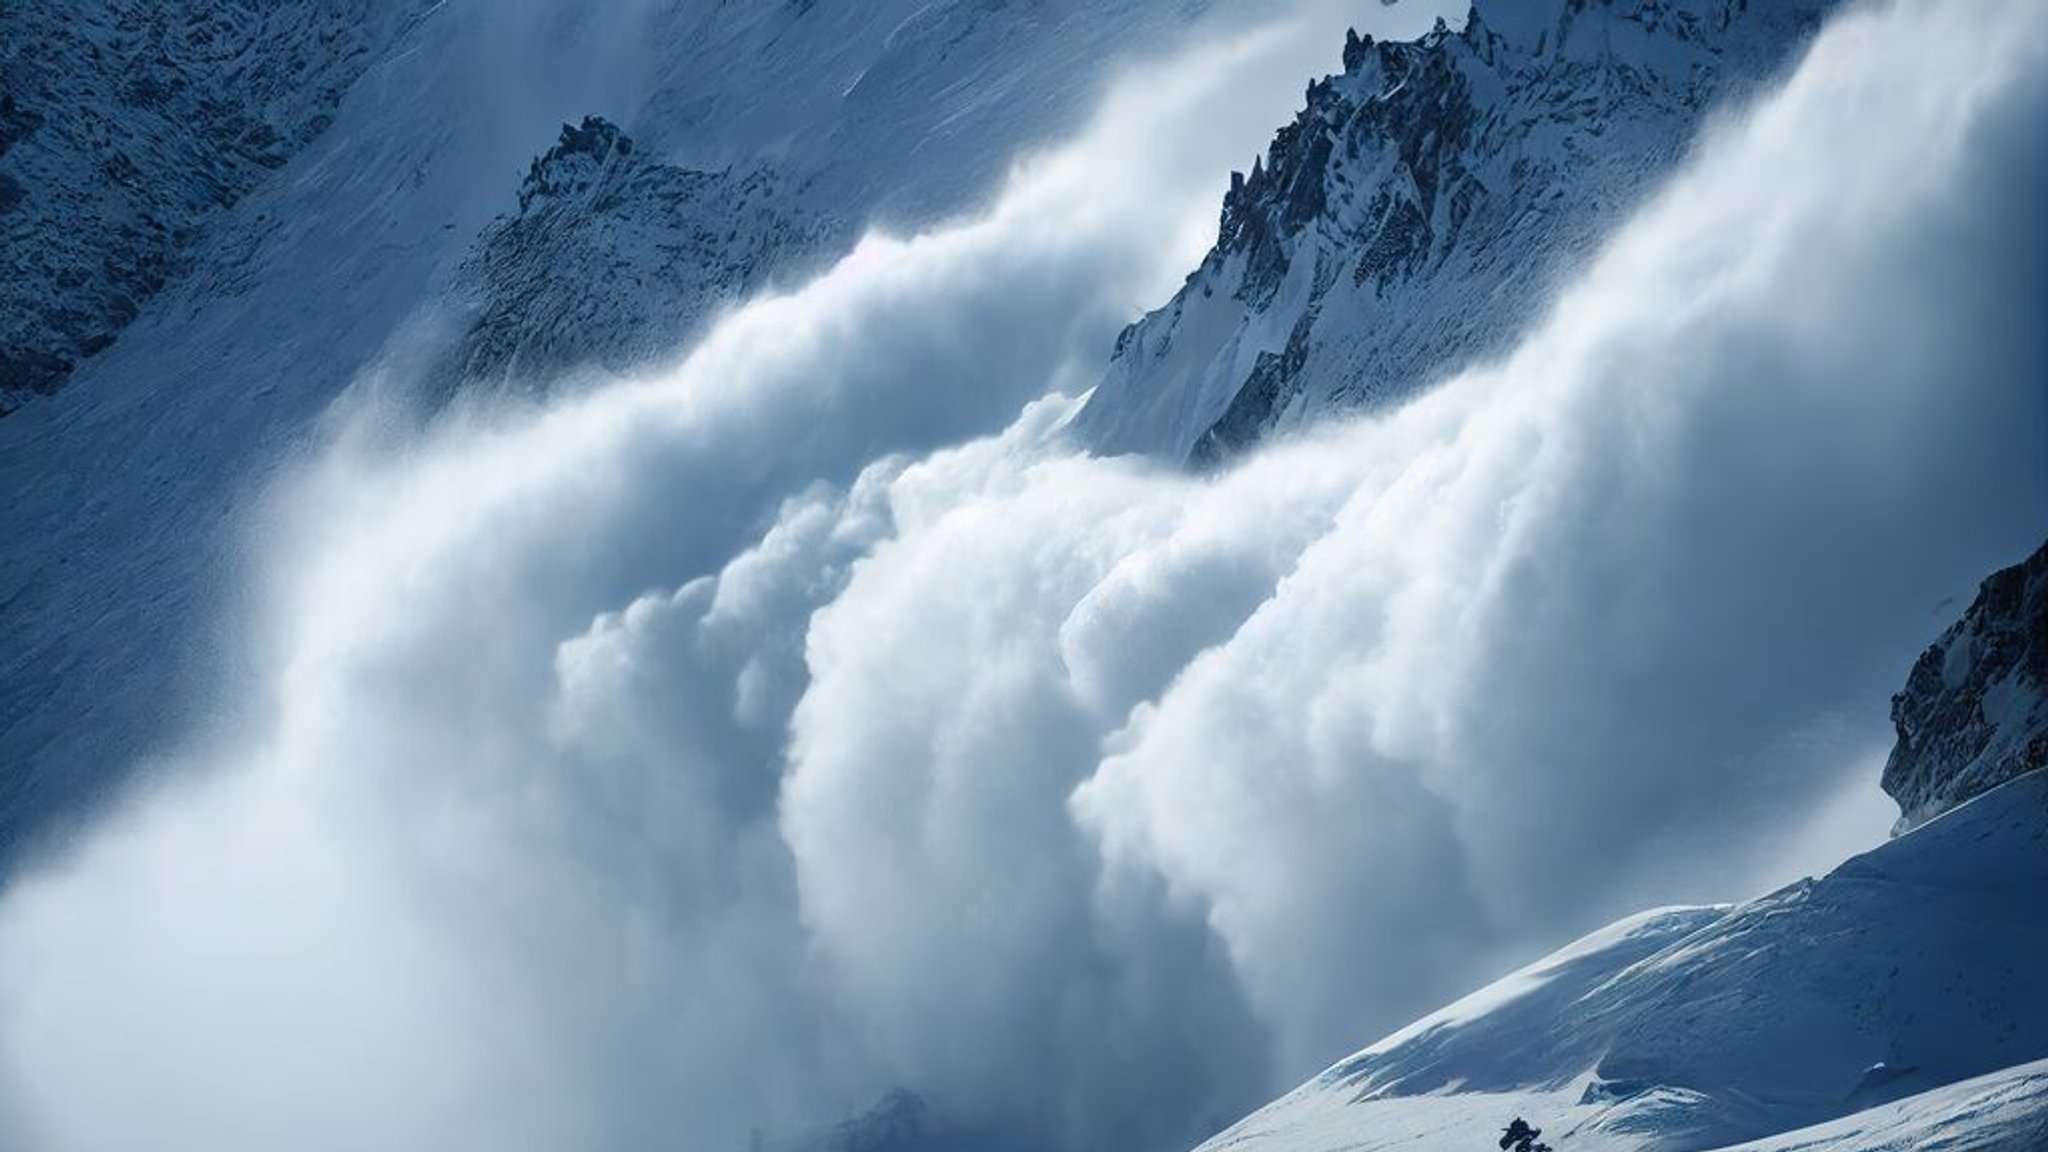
pixel 1974 712
pixel 1414 215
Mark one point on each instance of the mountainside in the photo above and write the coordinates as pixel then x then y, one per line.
pixel 126 129
pixel 1416 212
pixel 615 256
pixel 1894 1002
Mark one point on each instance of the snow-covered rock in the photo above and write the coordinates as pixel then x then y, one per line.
pixel 615 256
pixel 899 1122
pixel 1413 216
pixel 126 128
pixel 1974 712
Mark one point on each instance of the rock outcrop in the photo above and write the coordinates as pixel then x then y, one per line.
pixel 1974 712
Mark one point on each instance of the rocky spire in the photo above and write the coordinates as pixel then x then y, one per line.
pixel 576 161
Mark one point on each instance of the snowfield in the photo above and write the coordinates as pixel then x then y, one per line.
pixel 1894 1003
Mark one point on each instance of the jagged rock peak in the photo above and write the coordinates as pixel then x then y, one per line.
pixel 1420 207
pixel 1355 48
pixel 577 160
pixel 1974 712
pixel 616 256
pixel 1419 97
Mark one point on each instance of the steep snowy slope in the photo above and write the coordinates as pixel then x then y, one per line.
pixel 2006 1111
pixel 127 128
pixel 1417 211
pixel 843 116
pixel 1894 1002
pixel 1906 969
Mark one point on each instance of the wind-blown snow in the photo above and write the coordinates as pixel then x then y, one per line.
pixel 706 753
pixel 128 493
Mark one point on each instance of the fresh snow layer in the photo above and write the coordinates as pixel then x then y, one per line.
pixel 1864 1002
pixel 2004 1111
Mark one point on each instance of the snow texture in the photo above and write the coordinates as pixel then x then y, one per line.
pixel 1059 790
pixel 1894 1000
pixel 128 129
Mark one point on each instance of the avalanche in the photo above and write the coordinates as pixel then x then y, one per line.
pixel 700 756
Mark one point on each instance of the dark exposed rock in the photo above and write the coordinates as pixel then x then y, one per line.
pixel 1242 422
pixel 576 161
pixel 1974 712
pixel 16 122
pixel 27 370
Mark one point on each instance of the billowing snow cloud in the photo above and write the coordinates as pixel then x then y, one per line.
pixel 715 753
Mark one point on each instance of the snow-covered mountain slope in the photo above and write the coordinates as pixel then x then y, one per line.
pixel 615 256
pixel 1908 968
pixel 1415 214
pixel 1894 1002
pixel 1974 713
pixel 906 109
pixel 127 128
pixel 2005 1111
pixel 397 234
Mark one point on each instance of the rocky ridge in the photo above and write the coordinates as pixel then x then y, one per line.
pixel 615 256
pixel 1414 214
